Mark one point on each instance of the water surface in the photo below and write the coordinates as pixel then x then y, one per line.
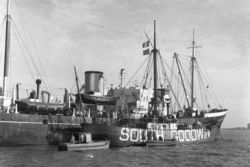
pixel 233 150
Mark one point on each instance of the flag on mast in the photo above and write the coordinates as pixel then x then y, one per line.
pixel 145 46
pixel 146 52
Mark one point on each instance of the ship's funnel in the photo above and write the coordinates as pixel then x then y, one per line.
pixel 38 82
pixel 93 82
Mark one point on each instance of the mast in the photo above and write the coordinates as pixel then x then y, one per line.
pixel 121 74
pixel 77 85
pixel 6 50
pixel 192 70
pixel 78 89
pixel 192 73
pixel 122 91
pixel 177 62
pixel 155 72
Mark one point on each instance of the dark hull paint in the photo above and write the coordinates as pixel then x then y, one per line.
pixel 32 129
pixel 161 143
pixel 211 127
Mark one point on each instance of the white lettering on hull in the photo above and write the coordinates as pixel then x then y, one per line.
pixel 181 135
pixel 193 135
pixel 190 134
pixel 134 135
pixel 142 135
pixel 124 134
pixel 187 135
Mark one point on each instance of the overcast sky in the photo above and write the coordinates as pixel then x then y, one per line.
pixel 107 36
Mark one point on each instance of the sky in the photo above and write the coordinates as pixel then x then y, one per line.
pixel 107 36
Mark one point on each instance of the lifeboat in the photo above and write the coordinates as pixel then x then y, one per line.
pixel 93 99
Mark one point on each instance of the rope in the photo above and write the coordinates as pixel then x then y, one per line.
pixel 212 92
pixel 28 36
pixel 209 93
pixel 24 55
pixel 170 86
pixel 135 72
pixel 147 71
pixel 2 39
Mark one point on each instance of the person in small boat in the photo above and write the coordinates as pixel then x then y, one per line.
pixel 145 117
pixel 72 140
pixel 82 138
pixel 149 135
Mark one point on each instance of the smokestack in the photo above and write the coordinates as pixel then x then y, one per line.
pixel 38 82
pixel 93 82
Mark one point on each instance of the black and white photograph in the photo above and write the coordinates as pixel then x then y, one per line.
pixel 124 83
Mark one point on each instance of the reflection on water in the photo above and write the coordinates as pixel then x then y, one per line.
pixel 234 150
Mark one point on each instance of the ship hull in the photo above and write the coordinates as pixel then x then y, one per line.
pixel 122 136
pixel 32 129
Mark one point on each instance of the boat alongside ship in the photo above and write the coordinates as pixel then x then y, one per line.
pixel 131 116
pixel 144 114
pixel 29 121
pixel 183 130
pixel 84 143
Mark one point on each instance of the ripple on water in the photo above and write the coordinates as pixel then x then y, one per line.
pixel 234 150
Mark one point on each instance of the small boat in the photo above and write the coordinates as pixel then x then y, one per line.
pixel 24 121
pixel 157 143
pixel 92 99
pixel 85 143
pixel 98 145
pixel 163 111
